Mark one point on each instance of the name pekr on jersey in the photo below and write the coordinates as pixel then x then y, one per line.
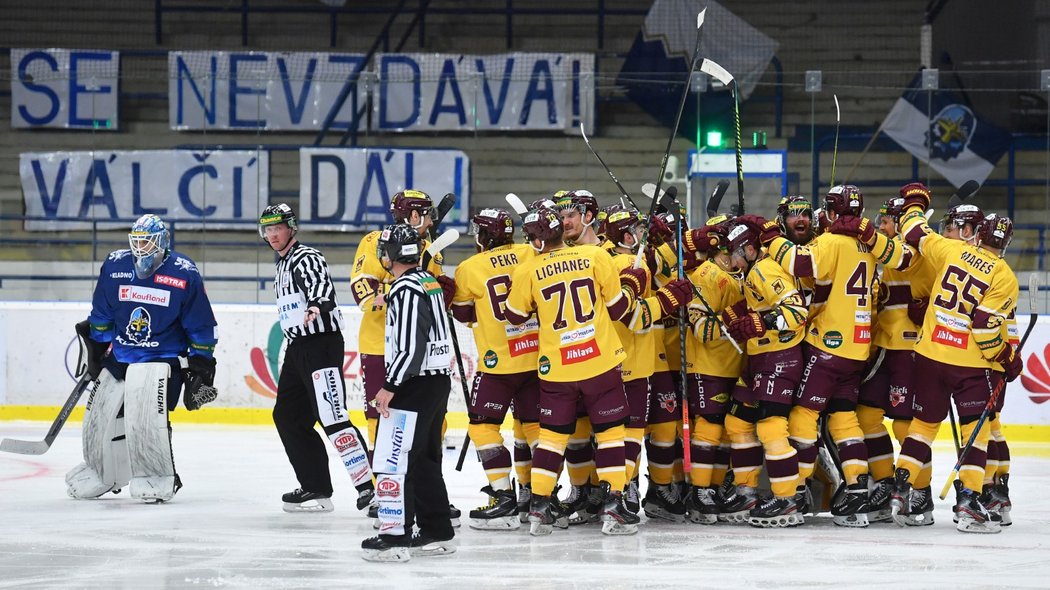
pixel 160 317
pixel 483 281
pixel 570 289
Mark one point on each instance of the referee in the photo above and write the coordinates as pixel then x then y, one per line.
pixel 417 355
pixel 311 388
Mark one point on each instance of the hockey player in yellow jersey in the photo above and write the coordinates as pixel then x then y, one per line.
pixel 963 334
pixel 507 378
pixel 576 295
pixel 838 342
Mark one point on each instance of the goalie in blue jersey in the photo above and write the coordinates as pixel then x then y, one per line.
pixel 151 333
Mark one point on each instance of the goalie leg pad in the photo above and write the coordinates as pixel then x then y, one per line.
pixel 105 465
pixel 148 432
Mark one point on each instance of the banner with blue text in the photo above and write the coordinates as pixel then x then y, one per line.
pixel 458 92
pixel 350 188
pixel 64 88
pixel 109 189
pixel 254 91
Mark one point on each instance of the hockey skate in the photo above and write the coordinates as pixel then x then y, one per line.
pixel 879 501
pixel 996 498
pixel 583 504
pixel 776 513
pixel 378 549
pixel 663 502
pixel 543 513
pixel 453 515
pixel 900 498
pixel 804 499
pixel 524 499
pixel 737 506
pixel 373 514
pixel 971 516
pixel 631 496
pixel 365 497
pixel 616 518
pixel 500 514
pixel 424 545
pixel 303 501
pixel 849 507
pixel 703 509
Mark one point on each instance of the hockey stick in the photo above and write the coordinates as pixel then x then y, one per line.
pixel 623 191
pixel 1033 290
pixel 26 447
pixel 670 140
pixel 516 205
pixel 838 123
pixel 683 320
pixel 716 198
pixel 713 69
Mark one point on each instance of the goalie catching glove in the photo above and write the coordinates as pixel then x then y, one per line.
pixel 198 375
pixel 91 352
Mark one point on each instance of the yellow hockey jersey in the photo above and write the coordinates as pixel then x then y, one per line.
pixel 707 350
pixel 893 329
pixel 483 282
pixel 769 288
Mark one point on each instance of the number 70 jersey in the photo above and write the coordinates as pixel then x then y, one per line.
pixel 483 282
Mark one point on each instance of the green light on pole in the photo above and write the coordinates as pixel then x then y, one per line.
pixel 714 139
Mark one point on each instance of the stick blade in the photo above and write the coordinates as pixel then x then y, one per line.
pixel 838 113
pixel 700 18
pixel 716 198
pixel 24 447
pixel 516 204
pixel 1033 291
pixel 713 69
pixel 446 238
pixel 446 205
pixel 968 188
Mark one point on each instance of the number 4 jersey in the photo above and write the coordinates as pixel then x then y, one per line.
pixel 482 285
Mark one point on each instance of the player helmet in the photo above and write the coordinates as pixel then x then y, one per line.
pixel 400 243
pixel 276 214
pixel 845 199
pixel 150 243
pixel 580 200
pixel 740 235
pixel 402 204
pixel 543 224
pixel 996 231
pixel 893 207
pixel 720 225
pixel 491 228
pixel 962 215
pixel 793 205
pixel 621 220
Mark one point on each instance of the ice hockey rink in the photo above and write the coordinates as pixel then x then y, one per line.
pixel 226 528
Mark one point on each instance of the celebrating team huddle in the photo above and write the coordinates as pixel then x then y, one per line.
pixel 804 333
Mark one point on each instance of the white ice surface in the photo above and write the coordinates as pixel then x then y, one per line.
pixel 226 529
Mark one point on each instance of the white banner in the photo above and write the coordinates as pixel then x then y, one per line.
pixel 349 189
pixel 249 355
pixel 62 189
pixel 512 92
pixel 66 88
pixel 260 90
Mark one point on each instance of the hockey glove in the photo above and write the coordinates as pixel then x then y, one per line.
pixel 198 378
pixel 855 227
pixel 659 231
pixel 1011 362
pixel 747 327
pixel 448 289
pixel 915 193
pixel 822 222
pixel 767 229
pixel 91 352
pixel 633 281
pixel 704 240
pixel 675 294
pixel 917 310
pixel 735 312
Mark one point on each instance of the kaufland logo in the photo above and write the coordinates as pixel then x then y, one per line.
pixel 144 295
pixel 1036 378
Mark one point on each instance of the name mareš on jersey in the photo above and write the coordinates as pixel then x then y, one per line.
pixel 977 263
pixel 562 266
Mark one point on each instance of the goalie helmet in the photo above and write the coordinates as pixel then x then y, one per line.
pixel 580 200
pixel 400 243
pixel 491 228
pixel 620 220
pixel 996 231
pixel 845 199
pixel 962 215
pixel 402 204
pixel 543 224
pixel 150 243
pixel 276 214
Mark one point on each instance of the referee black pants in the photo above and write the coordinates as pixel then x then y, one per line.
pixel 295 412
pixel 426 498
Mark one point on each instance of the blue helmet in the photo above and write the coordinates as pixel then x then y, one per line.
pixel 150 243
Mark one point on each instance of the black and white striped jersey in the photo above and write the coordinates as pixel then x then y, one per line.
pixel 418 339
pixel 303 280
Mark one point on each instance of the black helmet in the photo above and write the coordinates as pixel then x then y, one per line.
pixel 400 243
pixel 276 214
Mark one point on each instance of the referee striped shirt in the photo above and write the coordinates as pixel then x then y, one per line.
pixel 302 281
pixel 418 335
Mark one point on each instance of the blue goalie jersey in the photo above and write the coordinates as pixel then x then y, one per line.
pixel 159 317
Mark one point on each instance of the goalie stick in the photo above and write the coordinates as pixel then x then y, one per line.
pixel 713 69
pixel 26 447
pixel 1033 290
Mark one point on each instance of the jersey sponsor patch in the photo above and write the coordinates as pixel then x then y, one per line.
pixel 523 345
pixel 169 281
pixel 862 334
pixel 577 353
pixel 491 359
pixel 833 339
pixel 578 335
pixel 530 325
pixel 544 366
pixel 146 295
pixel 952 322
pixel 948 337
